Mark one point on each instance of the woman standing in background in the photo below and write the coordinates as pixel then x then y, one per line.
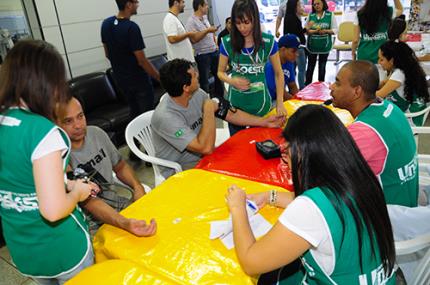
pixel 247 50
pixel 320 28
pixel 372 23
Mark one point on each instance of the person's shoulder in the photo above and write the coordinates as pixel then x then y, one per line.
pixel 108 20
pixel 95 132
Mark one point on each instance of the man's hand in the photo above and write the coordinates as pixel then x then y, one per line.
pixel 273 121
pixel 212 29
pixel 140 228
pixel 277 34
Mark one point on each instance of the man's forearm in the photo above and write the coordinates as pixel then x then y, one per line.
pixel 206 135
pixel 241 118
pixel 178 38
pixel 150 69
pixel 127 175
pixel 104 213
pixel 198 36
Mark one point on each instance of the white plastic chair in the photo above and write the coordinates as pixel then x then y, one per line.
pixel 425 111
pixel 140 129
pixel 413 242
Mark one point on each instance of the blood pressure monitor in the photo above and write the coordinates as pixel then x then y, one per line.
pixel 268 149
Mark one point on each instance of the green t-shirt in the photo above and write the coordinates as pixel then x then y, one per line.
pixel 38 247
pixel 370 44
pixel 400 174
pixel 256 100
pixel 320 43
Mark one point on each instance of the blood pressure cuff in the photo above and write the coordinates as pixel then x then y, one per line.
pixel 223 107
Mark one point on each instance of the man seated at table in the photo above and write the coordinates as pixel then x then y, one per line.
pixel 380 130
pixel 94 152
pixel 183 124
pixel 288 52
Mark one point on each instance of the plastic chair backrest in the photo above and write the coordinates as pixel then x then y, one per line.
pixel 346 31
pixel 140 129
pixel 425 111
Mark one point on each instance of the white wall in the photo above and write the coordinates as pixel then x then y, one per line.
pixel 80 21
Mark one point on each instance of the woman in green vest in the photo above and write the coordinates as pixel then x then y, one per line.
pixel 337 224
pixel 406 84
pixel 247 50
pixel 373 20
pixel 319 26
pixel 44 229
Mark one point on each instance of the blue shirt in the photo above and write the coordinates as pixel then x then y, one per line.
pixel 122 38
pixel 288 69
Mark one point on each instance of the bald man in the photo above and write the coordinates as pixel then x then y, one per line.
pixel 380 130
pixel 92 150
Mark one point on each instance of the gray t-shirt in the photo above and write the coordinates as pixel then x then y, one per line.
pixel 174 127
pixel 208 43
pixel 98 152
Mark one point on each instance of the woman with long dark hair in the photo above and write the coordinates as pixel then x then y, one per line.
pixel 44 229
pixel 373 20
pixel 292 12
pixel 320 28
pixel 406 85
pixel 337 223
pixel 247 50
pixel 398 29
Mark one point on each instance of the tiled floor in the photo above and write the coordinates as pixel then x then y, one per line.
pixel 10 276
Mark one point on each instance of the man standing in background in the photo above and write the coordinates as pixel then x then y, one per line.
pixel 123 44
pixel 178 44
pixel 205 47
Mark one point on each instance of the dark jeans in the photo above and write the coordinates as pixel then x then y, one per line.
pixel 140 96
pixel 312 60
pixel 208 63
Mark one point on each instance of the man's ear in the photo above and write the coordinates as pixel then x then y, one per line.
pixel 358 92
pixel 186 88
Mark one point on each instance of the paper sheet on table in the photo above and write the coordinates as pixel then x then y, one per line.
pixel 259 226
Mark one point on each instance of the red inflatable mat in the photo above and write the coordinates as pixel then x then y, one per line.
pixel 316 91
pixel 238 157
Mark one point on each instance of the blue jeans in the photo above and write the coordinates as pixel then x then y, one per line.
pixel 301 65
pixel 208 63
pixel 61 279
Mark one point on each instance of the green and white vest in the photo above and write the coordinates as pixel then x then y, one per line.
pixel 38 247
pixel 256 100
pixel 347 268
pixel 320 43
pixel 346 249
pixel 399 177
pixel 370 44
pixel 417 105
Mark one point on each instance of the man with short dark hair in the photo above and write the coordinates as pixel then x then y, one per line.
pixel 205 47
pixel 288 52
pixel 93 151
pixel 183 124
pixel 226 30
pixel 123 44
pixel 381 131
pixel 178 44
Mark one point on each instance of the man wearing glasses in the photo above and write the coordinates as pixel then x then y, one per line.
pixel 123 44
